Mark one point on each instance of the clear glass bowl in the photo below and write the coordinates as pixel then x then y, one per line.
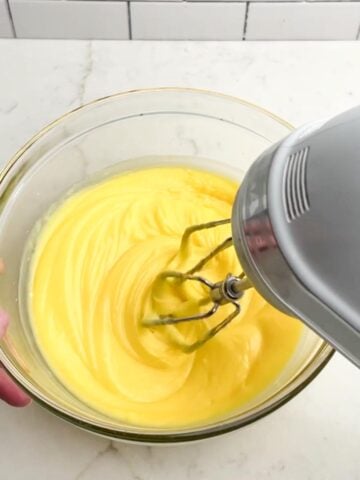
pixel 123 132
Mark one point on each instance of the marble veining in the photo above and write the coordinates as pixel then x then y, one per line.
pixel 316 435
pixel 86 72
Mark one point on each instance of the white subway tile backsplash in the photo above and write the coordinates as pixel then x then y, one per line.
pixel 94 19
pixel 172 0
pixel 210 1
pixel 182 19
pixel 303 21
pixel 6 30
pixel 301 1
pixel 187 21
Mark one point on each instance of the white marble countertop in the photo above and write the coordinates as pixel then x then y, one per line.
pixel 317 434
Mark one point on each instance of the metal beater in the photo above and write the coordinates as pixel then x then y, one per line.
pixel 296 231
pixel 227 291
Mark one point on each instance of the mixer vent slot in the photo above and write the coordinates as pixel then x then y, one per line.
pixel 295 186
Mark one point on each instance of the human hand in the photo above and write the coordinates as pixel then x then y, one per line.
pixel 9 391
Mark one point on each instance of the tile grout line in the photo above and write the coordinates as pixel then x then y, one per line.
pixel 11 18
pixel 129 20
pixel 246 20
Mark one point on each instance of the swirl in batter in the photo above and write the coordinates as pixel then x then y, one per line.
pixel 92 275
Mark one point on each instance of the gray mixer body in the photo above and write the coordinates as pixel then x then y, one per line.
pixel 296 228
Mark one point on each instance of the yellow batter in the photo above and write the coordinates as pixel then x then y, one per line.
pixel 91 285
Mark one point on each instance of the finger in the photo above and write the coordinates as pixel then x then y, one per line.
pixel 10 392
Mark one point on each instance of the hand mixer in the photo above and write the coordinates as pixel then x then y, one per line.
pixel 296 231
